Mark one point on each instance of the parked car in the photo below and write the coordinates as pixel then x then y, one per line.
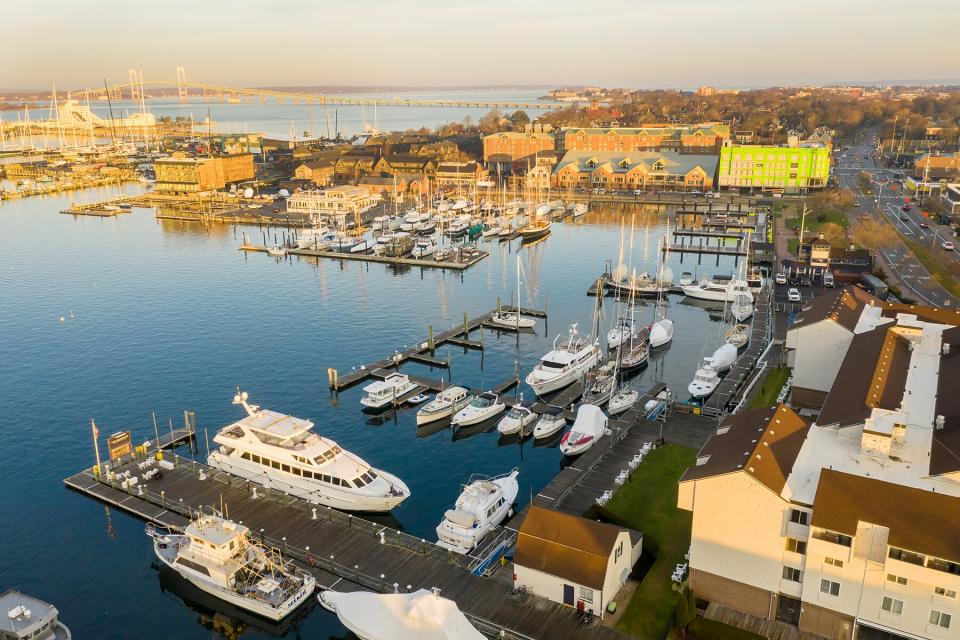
pixel 805 281
pixel 904 219
pixel 780 278
pixel 793 295
pixel 828 279
pixel 905 207
pixel 948 245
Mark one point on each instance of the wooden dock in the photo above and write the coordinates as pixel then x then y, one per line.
pixel 466 261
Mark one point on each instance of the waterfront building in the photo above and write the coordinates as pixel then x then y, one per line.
pixel 383 185
pixel 510 151
pixel 407 163
pixel 572 560
pixel 848 527
pixel 351 167
pixel 460 175
pixel 182 174
pixel 344 202
pixel 792 168
pixel 703 138
pixel 664 171
pixel 319 172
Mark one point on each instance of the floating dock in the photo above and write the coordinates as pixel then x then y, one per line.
pixel 466 261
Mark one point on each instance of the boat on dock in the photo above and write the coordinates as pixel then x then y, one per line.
pixel 551 421
pixel 382 393
pixel 445 404
pixel 421 615
pixel 282 452
pixel 481 408
pixel 587 429
pixel 571 356
pixel 219 557
pixel 518 418
pixel 482 505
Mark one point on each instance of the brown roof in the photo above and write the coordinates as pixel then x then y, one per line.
pixel 945 450
pixel 927 314
pixel 807 398
pixel 566 546
pixel 920 521
pixel 844 306
pixel 846 403
pixel 762 442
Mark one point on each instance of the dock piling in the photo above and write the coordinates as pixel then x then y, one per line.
pixel 430 344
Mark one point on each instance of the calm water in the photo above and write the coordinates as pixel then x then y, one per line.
pixel 169 316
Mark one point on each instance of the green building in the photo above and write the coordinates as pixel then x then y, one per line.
pixel 793 168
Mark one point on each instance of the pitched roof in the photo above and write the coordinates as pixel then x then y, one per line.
pixel 807 398
pixel 843 306
pixel 920 521
pixel 873 375
pixel 945 449
pixel 624 161
pixel 762 442
pixel 927 314
pixel 566 546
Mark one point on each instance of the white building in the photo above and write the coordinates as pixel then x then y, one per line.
pixel 573 560
pixel 342 202
pixel 849 527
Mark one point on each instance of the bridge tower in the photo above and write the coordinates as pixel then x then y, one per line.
pixel 181 84
pixel 135 92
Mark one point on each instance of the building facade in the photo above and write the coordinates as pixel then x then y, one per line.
pixel 701 138
pixel 664 171
pixel 182 174
pixel 460 175
pixel 342 201
pixel 508 150
pixel 945 166
pixel 795 168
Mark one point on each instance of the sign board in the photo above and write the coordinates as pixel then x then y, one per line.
pixel 119 444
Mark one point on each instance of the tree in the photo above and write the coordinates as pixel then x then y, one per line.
pixel 834 234
pixel 519 119
pixel 873 235
pixel 490 123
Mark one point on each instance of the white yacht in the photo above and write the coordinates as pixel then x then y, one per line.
pixel 742 307
pixel 551 421
pixel 579 209
pixel 481 407
pixel 29 618
pixel 422 615
pixel 705 380
pixel 572 355
pixel 512 320
pixel 622 400
pixel 219 557
pixel 448 402
pixel 516 421
pixel 622 332
pixel 717 290
pixel 382 393
pixel 424 247
pixel 315 237
pixel 482 505
pixel 590 426
pixel 281 452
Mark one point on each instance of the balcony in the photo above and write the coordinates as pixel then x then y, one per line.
pixel 834 538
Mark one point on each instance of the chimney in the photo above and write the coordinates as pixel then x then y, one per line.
pixel 939 422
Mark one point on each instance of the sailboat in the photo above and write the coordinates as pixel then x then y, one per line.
pixel 513 319
pixel 661 330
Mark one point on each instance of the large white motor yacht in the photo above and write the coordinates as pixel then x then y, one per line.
pixel 219 557
pixel 447 402
pixel 571 356
pixel 481 407
pixel 281 452
pixel 590 426
pixel 482 505
pixel 717 290
pixel 382 393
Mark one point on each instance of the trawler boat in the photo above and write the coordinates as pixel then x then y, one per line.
pixel 390 616
pixel 281 452
pixel 482 505
pixel 516 421
pixel 424 247
pixel 219 557
pixel 538 228
pixel 30 618
pixel 447 402
pixel 551 421
pixel 717 290
pixel 624 330
pixel 590 426
pixel 738 336
pixel 512 320
pixel 622 400
pixel 572 355
pixel 481 407
pixel 382 393
pixel 705 380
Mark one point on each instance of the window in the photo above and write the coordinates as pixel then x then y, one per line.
pixel 834 562
pixel 906 556
pixel 829 587
pixel 586 595
pixel 940 618
pixel 255 458
pixel 943 565
pixel 799 517
pixel 274 464
pixel 835 538
pixel 892 605
pixel 618 552
pixel 946 593
pixel 797 546
pixel 896 579
pixel 285 467
pixel 791 574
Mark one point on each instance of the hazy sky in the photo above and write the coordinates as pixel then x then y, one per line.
pixel 634 43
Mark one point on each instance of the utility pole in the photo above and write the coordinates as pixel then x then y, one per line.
pixel 803 221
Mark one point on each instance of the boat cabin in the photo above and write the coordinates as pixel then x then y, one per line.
pixel 29 617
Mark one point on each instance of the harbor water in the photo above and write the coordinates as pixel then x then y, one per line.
pixel 115 319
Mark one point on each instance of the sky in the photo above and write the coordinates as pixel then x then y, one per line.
pixel 632 43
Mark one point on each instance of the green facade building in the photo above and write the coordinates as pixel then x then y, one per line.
pixel 789 169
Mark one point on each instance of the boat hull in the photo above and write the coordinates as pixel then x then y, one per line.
pixel 544 386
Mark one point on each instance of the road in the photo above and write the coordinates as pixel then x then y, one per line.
pixel 913 276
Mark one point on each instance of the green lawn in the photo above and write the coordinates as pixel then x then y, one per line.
pixel 648 503
pixel 770 389
pixel 703 629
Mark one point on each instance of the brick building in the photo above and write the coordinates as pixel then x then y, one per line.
pixel 182 174
pixel 701 138
pixel 509 151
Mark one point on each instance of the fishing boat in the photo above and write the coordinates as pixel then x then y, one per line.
pixel 282 452
pixel 518 418
pixel 622 400
pixel 481 506
pixel 551 421
pixel 571 356
pixel 738 335
pixel 380 394
pixel 587 429
pixel 447 402
pixel 480 408
pixel 421 615
pixel 219 557
pixel 538 228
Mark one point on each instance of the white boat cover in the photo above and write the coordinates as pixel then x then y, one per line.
pixel 590 420
pixel 661 332
pixel 723 357
pixel 402 616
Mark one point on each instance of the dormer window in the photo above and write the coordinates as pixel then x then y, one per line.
pixel 591 163
pixel 625 163
pixel 658 165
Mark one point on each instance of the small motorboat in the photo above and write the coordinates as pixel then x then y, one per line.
pixel 661 332
pixel 686 279
pixel 418 399
pixel 579 209
pixel 551 421
pixel 447 402
pixel 512 320
pixel 590 426
pixel 277 252
pixel 622 400
pixel 391 616
pixel 517 419
pixel 481 407
pixel 483 504
pixel 705 380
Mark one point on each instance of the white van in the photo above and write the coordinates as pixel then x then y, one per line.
pixel 828 279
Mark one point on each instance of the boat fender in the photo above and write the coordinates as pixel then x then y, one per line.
pixel 607 432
